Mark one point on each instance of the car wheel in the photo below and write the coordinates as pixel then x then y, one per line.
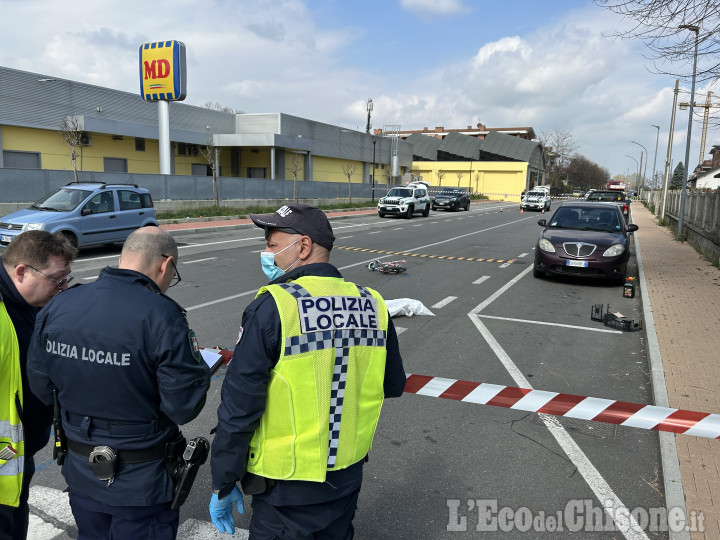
pixel 381 214
pixel 70 237
pixel 538 273
pixel 410 211
pixel 426 212
pixel 467 206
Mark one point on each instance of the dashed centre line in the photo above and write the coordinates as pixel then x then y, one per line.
pixel 444 302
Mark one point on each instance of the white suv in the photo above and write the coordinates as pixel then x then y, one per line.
pixel 405 201
pixel 537 199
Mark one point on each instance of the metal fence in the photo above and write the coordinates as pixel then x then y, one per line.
pixel 701 220
pixel 28 185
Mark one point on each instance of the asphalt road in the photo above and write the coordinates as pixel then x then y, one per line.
pixel 438 467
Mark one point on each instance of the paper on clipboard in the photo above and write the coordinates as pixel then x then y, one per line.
pixel 212 359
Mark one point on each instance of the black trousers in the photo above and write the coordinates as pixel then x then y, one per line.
pixel 330 520
pixel 14 521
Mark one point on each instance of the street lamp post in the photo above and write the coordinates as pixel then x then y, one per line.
pixel 668 157
pixel 369 110
pixel 657 140
pixel 643 172
pixel 637 167
pixel 372 177
pixel 683 188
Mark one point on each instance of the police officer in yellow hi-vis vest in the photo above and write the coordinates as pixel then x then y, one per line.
pixel 33 268
pixel 315 357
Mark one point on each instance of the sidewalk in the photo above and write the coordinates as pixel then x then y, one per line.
pixel 683 290
pixel 684 294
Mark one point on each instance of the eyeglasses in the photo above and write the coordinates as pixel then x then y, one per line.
pixel 59 283
pixel 176 278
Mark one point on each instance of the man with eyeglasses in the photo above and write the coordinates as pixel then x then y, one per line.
pixel 34 267
pixel 127 371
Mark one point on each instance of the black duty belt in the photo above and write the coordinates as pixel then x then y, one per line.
pixel 126 456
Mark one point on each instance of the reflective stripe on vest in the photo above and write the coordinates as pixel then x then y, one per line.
pixel 330 374
pixel 11 430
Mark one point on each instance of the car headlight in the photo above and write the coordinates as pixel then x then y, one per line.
pixel 32 227
pixel 614 250
pixel 545 245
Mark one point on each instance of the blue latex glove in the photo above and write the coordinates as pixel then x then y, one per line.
pixel 221 510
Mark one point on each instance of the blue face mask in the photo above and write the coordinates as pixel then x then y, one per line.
pixel 267 259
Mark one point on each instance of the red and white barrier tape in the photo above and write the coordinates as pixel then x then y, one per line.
pixel 622 413
pixel 572 406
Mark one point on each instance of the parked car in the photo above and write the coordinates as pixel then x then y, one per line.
pixel 405 201
pixel 537 199
pixel 451 199
pixel 578 193
pixel 584 239
pixel 87 213
pixel 619 197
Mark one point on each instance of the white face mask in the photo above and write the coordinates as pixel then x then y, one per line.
pixel 267 260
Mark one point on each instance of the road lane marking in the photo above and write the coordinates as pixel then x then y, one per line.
pixel 90 277
pixel 574 327
pixel 523 255
pixel 200 260
pixel 478 281
pixel 444 302
pixel 590 474
pixel 399 330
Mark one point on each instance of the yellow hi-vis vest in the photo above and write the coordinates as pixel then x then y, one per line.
pixel 11 399
pixel 326 391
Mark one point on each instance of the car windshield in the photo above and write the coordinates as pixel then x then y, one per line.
pixel 586 219
pixel 536 194
pixel 61 200
pixel 400 192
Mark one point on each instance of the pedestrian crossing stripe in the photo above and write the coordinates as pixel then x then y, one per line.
pixel 426 255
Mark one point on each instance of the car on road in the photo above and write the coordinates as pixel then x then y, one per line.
pixel 619 197
pixel 405 201
pixel 451 199
pixel 584 238
pixel 537 199
pixel 87 213
pixel 578 193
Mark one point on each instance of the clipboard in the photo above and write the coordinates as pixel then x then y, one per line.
pixel 214 360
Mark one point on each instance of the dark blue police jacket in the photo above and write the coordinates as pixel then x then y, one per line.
pixel 127 370
pixel 37 417
pixel 244 393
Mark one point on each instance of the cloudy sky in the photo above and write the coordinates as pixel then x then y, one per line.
pixel 452 63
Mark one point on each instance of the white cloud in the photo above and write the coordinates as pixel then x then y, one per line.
pixel 426 8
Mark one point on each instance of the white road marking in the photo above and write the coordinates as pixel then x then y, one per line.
pixel 375 232
pixel 445 302
pixel 50 509
pixel 399 330
pixel 504 265
pixel 552 324
pixel 478 281
pixel 345 237
pixel 200 260
pixel 398 228
pixel 90 277
pixel 522 255
pixel 612 504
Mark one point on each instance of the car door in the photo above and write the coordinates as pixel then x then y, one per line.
pixel 131 214
pixel 99 220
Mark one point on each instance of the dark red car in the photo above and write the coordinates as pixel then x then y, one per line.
pixel 584 239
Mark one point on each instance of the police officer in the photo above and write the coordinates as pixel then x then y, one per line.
pixel 127 371
pixel 301 398
pixel 34 267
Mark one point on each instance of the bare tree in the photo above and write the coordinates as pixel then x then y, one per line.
pixel 459 175
pixel 349 169
pixel 211 153
pixel 440 174
pixel 71 130
pixel 559 148
pixel 584 174
pixel 222 108
pixel 297 164
pixel 671 49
